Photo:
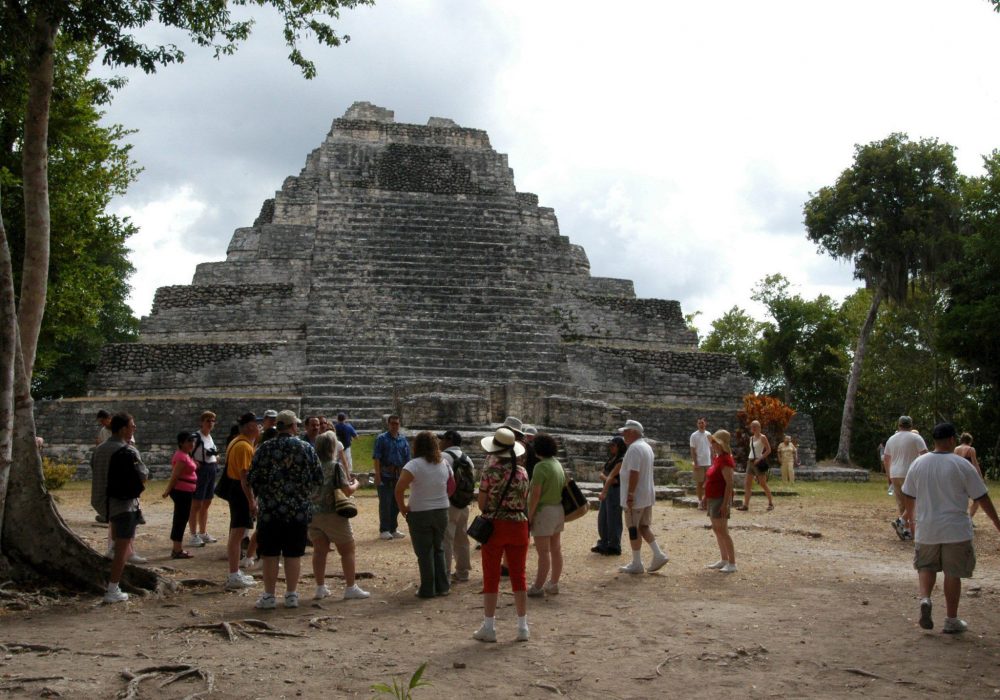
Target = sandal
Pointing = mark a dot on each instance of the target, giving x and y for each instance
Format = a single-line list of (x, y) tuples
[(742, 507), (181, 555), (770, 506)]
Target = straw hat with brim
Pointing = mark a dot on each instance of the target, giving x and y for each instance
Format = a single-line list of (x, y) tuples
[(503, 439), (721, 438), (514, 425)]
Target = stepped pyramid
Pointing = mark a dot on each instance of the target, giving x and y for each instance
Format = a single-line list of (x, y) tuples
[(402, 271)]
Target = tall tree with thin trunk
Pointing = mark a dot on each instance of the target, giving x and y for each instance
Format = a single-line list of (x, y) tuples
[(33, 538), (895, 215)]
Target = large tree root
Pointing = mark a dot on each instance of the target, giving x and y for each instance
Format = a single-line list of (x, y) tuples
[(177, 671), (232, 629), (22, 647), (812, 534)]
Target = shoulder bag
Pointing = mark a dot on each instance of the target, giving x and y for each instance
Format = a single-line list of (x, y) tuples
[(574, 503), (482, 527), (343, 505)]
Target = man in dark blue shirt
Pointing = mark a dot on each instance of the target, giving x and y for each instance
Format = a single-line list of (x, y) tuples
[(391, 452), (345, 433)]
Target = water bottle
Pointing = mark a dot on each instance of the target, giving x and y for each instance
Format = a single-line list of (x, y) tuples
[(891, 492)]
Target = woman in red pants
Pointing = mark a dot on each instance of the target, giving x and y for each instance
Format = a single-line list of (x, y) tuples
[(503, 498)]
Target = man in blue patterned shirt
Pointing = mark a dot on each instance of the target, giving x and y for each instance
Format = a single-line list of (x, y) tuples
[(284, 474), (391, 452)]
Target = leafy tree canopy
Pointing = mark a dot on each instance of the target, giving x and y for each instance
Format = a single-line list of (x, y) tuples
[(88, 267)]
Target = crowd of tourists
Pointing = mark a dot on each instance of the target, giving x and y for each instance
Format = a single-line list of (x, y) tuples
[(289, 485)]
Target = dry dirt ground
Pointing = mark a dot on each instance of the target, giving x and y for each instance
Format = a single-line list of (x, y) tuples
[(803, 617)]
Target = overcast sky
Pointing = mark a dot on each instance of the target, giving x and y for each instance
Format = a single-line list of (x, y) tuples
[(677, 141)]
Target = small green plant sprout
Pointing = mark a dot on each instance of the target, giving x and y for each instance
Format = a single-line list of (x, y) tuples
[(398, 690)]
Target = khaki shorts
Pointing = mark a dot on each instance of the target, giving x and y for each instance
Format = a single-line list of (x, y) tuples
[(637, 517), (699, 474), (715, 508), (955, 559), (548, 520), (333, 527)]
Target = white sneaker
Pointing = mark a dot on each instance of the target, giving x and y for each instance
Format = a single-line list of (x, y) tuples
[(207, 538), (292, 600), (321, 592), (485, 635), (659, 561), (266, 602), (247, 577), (397, 535), (237, 582), (136, 559), (523, 634), (632, 568), (248, 563), (195, 541), (551, 588), (729, 568), (385, 535), (355, 592), (115, 595), (717, 565)]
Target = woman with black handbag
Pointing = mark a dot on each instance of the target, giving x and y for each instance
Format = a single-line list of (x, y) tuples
[(503, 500)]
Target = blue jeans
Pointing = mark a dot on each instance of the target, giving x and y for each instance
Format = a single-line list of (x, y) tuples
[(609, 521), (388, 511)]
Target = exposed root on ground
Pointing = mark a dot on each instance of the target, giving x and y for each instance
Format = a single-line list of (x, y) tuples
[(813, 534), (177, 672), (233, 629)]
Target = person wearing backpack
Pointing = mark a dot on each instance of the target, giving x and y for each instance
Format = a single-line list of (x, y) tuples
[(118, 495), (456, 541)]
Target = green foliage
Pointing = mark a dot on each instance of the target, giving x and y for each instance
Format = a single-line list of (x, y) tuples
[(88, 267), (56, 474), (969, 325), (400, 691), (894, 213), (113, 26), (737, 333)]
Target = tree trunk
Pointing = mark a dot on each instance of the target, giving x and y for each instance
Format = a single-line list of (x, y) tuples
[(847, 420), (35, 539), (35, 167), (8, 348)]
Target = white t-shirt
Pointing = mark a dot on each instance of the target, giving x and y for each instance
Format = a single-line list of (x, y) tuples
[(200, 452), (903, 447), (942, 484), (429, 488), (638, 458), (702, 448)]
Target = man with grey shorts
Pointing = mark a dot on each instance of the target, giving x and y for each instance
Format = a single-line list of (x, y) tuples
[(937, 488)]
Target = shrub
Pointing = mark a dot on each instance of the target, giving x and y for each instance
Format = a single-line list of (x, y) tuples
[(56, 473)]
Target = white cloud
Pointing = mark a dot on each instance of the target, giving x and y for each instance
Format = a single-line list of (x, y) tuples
[(158, 250)]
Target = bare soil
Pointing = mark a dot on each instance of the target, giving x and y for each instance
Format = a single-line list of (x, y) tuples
[(804, 617)]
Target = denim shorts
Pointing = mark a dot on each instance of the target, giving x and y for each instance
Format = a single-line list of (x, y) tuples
[(207, 473)]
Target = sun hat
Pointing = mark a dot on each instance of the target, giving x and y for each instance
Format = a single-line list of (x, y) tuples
[(503, 439), (530, 430), (270, 413), (721, 438), (287, 419), (515, 426), (631, 425)]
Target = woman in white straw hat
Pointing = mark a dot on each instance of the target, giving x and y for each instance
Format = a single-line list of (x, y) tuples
[(719, 498), (503, 498)]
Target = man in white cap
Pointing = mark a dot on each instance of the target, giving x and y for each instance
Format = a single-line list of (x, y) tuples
[(268, 427), (637, 497)]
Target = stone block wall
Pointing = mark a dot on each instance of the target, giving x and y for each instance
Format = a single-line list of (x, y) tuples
[(664, 376), (609, 318), (587, 415), (136, 368), (157, 420)]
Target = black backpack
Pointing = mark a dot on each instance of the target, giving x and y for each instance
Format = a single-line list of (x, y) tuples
[(465, 480), (124, 481)]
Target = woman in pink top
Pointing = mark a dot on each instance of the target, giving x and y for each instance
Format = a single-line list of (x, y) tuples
[(180, 488)]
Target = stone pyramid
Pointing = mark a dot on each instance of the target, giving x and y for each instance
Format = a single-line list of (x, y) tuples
[(402, 271)]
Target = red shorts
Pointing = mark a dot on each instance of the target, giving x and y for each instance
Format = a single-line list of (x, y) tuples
[(509, 537)]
